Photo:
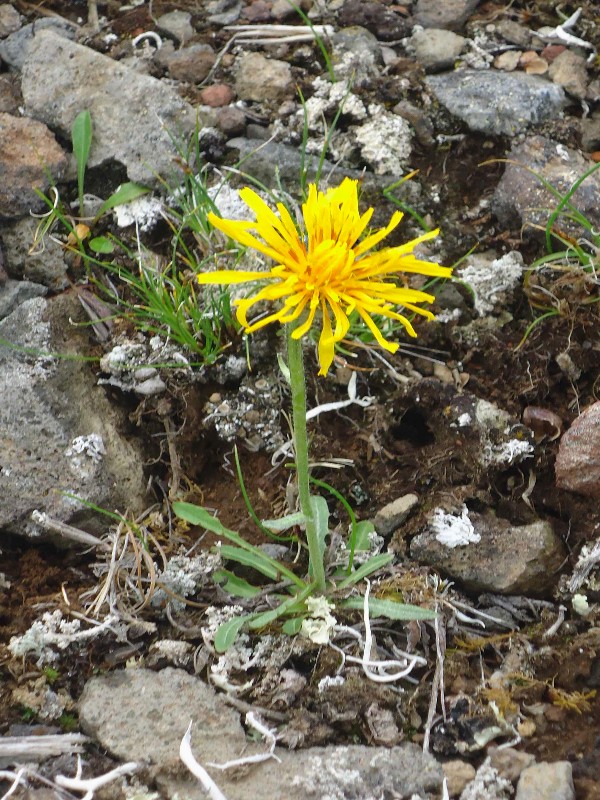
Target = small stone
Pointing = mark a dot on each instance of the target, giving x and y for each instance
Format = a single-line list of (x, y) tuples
[(497, 103), (192, 64), (533, 64), (552, 51), (382, 22), (458, 774), (509, 762), (450, 15), (258, 11), (263, 79), (217, 95), (392, 515), (10, 20), (231, 120), (15, 48), (569, 71), (578, 459), (489, 565), (547, 781), (437, 49), (590, 134), (513, 32), (522, 200), (508, 61), (178, 24)]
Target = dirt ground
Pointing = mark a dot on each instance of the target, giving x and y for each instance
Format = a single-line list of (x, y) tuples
[(397, 446)]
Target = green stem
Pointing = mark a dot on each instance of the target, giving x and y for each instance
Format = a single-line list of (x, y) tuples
[(298, 390)]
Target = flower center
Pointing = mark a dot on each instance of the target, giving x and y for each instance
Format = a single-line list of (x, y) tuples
[(327, 265)]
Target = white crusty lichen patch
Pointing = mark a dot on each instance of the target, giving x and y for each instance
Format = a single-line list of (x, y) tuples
[(385, 141), (55, 633), (85, 454), (453, 530), (491, 279), (182, 577)]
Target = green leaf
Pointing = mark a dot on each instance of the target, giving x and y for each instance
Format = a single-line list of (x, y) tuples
[(370, 566), (250, 559), (102, 245), (285, 523), (320, 511), (228, 632), (285, 370), (231, 583), (389, 608), (292, 626), (292, 605), (81, 136), (124, 194), (362, 531), (198, 515)]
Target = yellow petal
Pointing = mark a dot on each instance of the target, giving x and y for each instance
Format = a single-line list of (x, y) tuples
[(326, 349), (230, 276)]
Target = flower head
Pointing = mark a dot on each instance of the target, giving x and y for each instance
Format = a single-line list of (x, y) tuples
[(325, 268)]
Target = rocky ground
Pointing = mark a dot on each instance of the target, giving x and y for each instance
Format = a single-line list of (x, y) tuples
[(475, 450)]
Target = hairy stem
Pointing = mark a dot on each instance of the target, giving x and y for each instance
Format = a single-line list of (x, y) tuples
[(298, 390)]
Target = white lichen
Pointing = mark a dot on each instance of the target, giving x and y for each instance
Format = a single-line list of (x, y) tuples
[(54, 633), (452, 530), (144, 212), (506, 453), (385, 141), (487, 784), (330, 680), (320, 623), (184, 576), (90, 446), (491, 280)]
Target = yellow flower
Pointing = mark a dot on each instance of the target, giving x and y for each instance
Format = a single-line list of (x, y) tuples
[(325, 268)]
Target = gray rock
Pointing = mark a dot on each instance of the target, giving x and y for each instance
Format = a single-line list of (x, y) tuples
[(569, 71), (392, 515), (436, 49), (497, 103), (191, 64), (513, 32), (177, 24), (450, 15), (15, 48), (356, 55), (28, 156), (10, 19), (547, 781), (224, 12), (490, 564), (263, 79), (143, 715), (58, 430), (13, 293), (40, 263), (521, 200), (134, 116), (578, 458), (262, 163)]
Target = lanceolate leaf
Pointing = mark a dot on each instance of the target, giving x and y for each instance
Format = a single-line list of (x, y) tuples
[(124, 194), (250, 559), (228, 632), (231, 583), (389, 608), (370, 566)]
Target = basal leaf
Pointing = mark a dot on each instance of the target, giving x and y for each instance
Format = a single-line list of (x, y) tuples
[(234, 585), (228, 632), (389, 608)]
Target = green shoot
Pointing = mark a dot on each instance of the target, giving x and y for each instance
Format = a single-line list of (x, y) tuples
[(81, 136)]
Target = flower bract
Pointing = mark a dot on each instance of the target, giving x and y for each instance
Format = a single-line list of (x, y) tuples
[(323, 270)]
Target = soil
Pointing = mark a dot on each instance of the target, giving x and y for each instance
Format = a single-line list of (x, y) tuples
[(397, 446)]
